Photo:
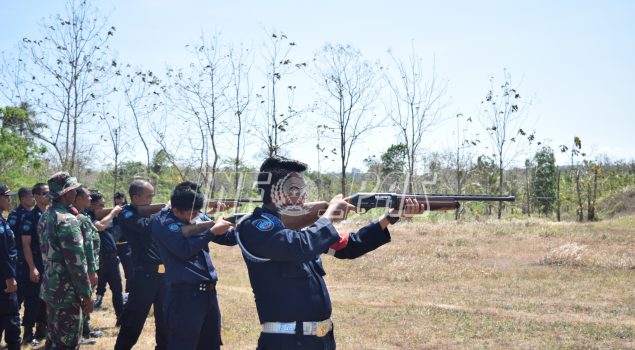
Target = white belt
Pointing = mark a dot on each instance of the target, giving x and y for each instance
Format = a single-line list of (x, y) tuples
[(319, 328)]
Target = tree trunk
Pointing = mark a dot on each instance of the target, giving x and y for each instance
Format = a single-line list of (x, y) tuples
[(558, 196), (528, 194), (500, 186), (579, 193)]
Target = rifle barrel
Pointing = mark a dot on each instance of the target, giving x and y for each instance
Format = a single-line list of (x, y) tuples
[(231, 200), (469, 197)]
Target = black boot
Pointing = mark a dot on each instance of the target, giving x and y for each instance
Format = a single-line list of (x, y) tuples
[(40, 331), (28, 338), (98, 300), (14, 346)]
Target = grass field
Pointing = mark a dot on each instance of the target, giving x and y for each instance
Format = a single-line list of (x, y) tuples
[(522, 284)]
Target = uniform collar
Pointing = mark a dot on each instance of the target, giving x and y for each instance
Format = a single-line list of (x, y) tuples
[(169, 214), (38, 209), (130, 207), (265, 210), (60, 206)]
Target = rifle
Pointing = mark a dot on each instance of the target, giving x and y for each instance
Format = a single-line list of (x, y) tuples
[(234, 218), (230, 203), (432, 202)]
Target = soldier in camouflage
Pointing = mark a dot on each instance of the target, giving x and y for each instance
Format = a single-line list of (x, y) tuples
[(65, 286), (91, 249)]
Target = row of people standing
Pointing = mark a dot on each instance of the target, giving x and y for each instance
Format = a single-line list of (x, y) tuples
[(282, 254), (48, 265), (174, 272), (36, 277)]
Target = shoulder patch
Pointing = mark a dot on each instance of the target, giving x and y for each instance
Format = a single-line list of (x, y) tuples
[(263, 224), (1, 229), (174, 227), (127, 214)]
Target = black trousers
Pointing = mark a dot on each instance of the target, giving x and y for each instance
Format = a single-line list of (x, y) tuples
[(193, 318), (148, 289), (34, 307), (125, 256), (269, 341), (109, 274), (10, 318)]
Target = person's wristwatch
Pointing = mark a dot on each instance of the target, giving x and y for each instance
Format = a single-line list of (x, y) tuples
[(392, 219)]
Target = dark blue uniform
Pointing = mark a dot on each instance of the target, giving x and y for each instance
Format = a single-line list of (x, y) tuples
[(191, 308), (9, 310), (148, 287), (286, 274), (34, 307), (109, 266), (15, 219), (124, 253)]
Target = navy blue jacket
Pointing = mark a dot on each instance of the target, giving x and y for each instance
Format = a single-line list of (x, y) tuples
[(15, 221), (107, 243), (137, 230), (186, 259), (28, 227), (8, 254), (285, 269)]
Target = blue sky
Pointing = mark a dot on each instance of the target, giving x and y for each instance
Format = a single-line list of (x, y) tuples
[(572, 59)]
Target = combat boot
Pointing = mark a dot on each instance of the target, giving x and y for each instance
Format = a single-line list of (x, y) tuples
[(98, 300), (14, 346), (28, 338), (40, 331), (85, 341)]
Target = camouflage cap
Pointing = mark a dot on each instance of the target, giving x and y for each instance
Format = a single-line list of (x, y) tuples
[(60, 183), (5, 191)]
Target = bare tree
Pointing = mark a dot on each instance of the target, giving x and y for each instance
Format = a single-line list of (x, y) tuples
[(416, 105), (119, 142), (69, 66), (141, 91), (577, 169), (277, 55), (13, 73), (240, 98), (503, 119), (348, 88), (160, 134), (199, 93), (462, 157)]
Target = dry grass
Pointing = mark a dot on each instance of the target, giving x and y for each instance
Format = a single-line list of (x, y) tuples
[(522, 284)]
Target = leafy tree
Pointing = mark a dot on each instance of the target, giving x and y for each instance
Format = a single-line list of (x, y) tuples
[(17, 150), (545, 180), (394, 159)]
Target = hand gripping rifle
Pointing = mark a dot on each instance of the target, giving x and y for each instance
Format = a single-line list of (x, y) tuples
[(369, 200)]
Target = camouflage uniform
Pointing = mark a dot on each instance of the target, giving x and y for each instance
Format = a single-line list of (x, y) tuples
[(65, 280), (91, 248), (91, 241)]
